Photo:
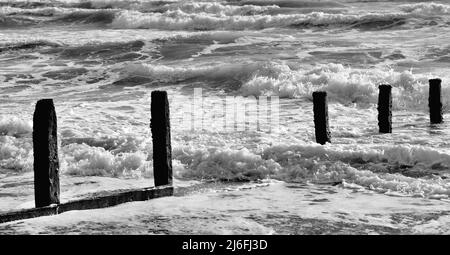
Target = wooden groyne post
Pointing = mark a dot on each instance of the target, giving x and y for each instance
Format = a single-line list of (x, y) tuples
[(46, 165), (385, 108), (434, 101), (320, 108), (162, 149), (45, 152)]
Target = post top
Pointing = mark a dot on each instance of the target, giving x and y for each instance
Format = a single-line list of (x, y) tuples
[(46, 103), (435, 80), (320, 93), (48, 100), (159, 92), (384, 86)]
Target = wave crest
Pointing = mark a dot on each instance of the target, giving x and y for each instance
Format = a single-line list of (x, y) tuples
[(344, 85), (429, 9), (218, 8), (179, 20)]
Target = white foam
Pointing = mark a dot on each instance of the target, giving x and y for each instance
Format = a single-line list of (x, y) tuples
[(168, 73), (16, 154), (218, 8), (321, 164), (326, 164), (429, 9), (344, 84), (14, 126), (84, 160), (44, 11), (363, 166), (392, 154), (179, 20), (222, 164)]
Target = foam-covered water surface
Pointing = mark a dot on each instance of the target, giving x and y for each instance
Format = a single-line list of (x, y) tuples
[(253, 209), (101, 59)]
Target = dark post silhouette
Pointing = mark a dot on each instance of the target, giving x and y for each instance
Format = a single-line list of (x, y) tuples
[(385, 109), (162, 149), (45, 152), (321, 117), (434, 101)]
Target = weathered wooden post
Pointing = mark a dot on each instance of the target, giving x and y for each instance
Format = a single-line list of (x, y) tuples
[(45, 151), (434, 101), (162, 149), (385, 109), (321, 117)]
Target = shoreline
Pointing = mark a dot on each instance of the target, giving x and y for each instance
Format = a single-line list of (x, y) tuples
[(278, 208)]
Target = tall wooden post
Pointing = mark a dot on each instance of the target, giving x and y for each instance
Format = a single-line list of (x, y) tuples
[(162, 149), (385, 109), (45, 151), (320, 108), (434, 101)]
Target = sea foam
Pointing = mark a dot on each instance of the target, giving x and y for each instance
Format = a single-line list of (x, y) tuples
[(218, 8), (429, 9), (374, 166), (344, 84), (179, 20), (318, 164), (14, 126)]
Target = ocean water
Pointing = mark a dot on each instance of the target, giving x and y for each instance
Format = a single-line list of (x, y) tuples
[(99, 60)]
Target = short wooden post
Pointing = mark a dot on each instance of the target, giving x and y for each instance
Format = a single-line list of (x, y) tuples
[(45, 152), (162, 149), (321, 117), (385, 109), (434, 101)]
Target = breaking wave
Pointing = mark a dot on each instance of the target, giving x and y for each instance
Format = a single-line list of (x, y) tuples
[(179, 20), (375, 167), (44, 11), (210, 15), (164, 73), (116, 157), (319, 164), (218, 8), (429, 9), (345, 85), (14, 126), (292, 4)]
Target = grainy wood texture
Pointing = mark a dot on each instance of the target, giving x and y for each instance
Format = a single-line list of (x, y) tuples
[(320, 108), (435, 102), (385, 109), (45, 151), (112, 199), (29, 213), (162, 150)]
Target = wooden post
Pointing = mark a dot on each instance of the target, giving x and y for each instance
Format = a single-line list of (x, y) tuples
[(434, 101), (162, 149), (385, 109), (45, 151), (321, 117)]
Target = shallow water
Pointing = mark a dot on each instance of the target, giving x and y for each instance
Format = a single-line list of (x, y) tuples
[(100, 60), (261, 208)]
